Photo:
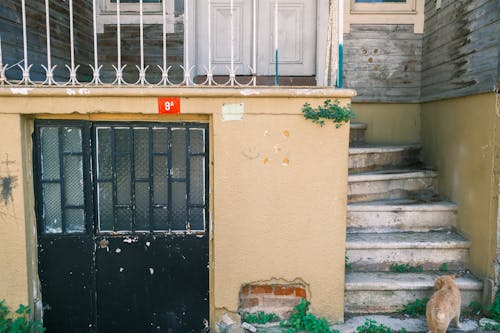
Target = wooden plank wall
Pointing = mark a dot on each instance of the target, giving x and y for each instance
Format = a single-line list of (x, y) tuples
[(461, 48), (12, 36), (12, 42), (383, 63)]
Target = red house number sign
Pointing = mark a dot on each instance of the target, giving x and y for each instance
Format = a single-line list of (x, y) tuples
[(169, 105)]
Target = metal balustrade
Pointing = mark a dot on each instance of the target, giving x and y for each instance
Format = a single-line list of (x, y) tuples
[(202, 76)]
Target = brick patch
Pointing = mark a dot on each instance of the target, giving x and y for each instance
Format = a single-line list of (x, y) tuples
[(271, 298)]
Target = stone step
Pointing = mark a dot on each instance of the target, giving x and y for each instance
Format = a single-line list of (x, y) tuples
[(400, 215), (378, 157), (383, 292), (391, 184), (357, 133), (378, 251)]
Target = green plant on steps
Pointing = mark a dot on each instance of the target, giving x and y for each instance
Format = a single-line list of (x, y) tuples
[(415, 308), (493, 310), (19, 322), (260, 317), (371, 326), (348, 265), (301, 320), (443, 267), (328, 111), (406, 268)]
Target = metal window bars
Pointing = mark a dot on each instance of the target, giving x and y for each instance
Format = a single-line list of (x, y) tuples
[(188, 76)]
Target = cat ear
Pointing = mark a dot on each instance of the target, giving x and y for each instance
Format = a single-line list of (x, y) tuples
[(452, 276)]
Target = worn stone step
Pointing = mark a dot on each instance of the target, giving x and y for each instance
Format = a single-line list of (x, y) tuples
[(378, 251), (379, 157), (391, 184), (383, 292), (357, 133), (400, 215)]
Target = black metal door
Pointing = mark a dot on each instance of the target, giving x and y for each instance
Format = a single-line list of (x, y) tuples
[(138, 260)]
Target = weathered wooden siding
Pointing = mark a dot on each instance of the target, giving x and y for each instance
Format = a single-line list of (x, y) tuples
[(383, 62), (461, 48), (12, 36), (153, 52)]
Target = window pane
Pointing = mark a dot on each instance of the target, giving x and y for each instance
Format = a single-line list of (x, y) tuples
[(122, 140), (160, 140), (179, 213), (197, 180), (49, 137), (160, 219), (104, 158), (74, 220), (380, 1), (142, 206), (137, 1), (141, 153), (123, 219), (73, 180), (197, 140), (197, 219), (72, 140), (160, 180), (52, 215), (105, 206), (178, 153), (123, 196)]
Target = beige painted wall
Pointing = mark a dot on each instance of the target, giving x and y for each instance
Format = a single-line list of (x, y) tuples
[(278, 185), (389, 123), (13, 257), (459, 140)]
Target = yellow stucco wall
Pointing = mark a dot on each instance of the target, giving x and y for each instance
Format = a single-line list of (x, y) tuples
[(278, 184), (389, 123), (13, 257), (459, 140)]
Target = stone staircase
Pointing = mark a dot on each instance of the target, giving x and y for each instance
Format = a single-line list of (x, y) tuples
[(395, 216)]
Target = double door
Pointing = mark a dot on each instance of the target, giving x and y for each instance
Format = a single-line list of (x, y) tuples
[(122, 233)]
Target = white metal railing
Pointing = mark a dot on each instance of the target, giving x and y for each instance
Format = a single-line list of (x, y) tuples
[(144, 75)]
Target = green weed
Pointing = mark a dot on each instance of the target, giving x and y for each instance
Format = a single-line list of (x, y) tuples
[(20, 322), (406, 268), (416, 308), (301, 320)]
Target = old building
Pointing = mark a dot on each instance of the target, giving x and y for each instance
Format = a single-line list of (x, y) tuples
[(157, 169)]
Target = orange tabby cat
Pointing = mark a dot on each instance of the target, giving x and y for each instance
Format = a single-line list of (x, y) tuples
[(444, 305)]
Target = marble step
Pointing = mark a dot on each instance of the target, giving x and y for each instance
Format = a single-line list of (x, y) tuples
[(365, 158), (378, 251), (385, 292), (400, 215), (391, 184)]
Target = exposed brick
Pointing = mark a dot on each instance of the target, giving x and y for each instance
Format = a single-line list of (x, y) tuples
[(245, 290), (248, 302), (262, 289), (300, 292), (280, 291), (280, 302)]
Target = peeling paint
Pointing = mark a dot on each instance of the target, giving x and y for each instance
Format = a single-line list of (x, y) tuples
[(118, 250), (70, 92), (285, 161), (250, 153), (20, 91), (249, 92)]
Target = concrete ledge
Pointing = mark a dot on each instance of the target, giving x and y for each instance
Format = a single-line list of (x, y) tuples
[(407, 240), (407, 281), (391, 175), (383, 149), (401, 206), (153, 91)]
